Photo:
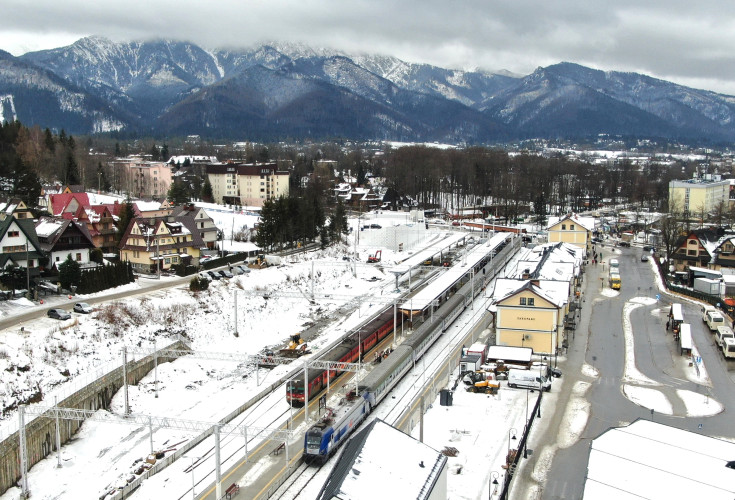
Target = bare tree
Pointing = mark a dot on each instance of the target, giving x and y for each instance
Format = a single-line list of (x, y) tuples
[(671, 229)]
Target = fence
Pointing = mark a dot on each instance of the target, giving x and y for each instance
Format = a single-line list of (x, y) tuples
[(512, 463)]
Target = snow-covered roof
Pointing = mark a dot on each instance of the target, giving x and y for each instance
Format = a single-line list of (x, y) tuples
[(587, 223), (47, 227), (509, 353), (651, 460), (556, 292), (423, 298), (368, 472)]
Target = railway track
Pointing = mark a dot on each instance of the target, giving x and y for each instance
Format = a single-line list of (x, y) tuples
[(293, 488)]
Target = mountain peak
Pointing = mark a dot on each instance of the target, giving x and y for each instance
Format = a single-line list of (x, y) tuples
[(284, 89)]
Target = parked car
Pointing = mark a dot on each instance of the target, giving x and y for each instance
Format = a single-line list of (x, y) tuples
[(648, 248), (58, 314), (625, 244), (226, 274), (214, 275), (236, 270), (205, 258), (644, 258), (205, 276), (245, 269), (376, 226), (82, 307)]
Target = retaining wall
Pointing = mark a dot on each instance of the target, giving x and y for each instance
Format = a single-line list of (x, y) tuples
[(41, 431)]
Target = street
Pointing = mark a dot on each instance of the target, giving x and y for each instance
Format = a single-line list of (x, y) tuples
[(598, 382)]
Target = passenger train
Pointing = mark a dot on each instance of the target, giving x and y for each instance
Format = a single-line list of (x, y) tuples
[(323, 438), (354, 345)]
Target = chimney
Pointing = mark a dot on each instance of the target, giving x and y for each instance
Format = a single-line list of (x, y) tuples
[(535, 282)]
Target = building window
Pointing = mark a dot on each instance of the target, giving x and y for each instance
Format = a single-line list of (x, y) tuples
[(563, 227), (530, 301), (13, 234), (79, 257), (571, 227), (523, 301), (57, 258), (692, 253)]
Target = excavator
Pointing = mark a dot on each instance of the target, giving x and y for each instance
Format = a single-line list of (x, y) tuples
[(481, 381), (374, 258)]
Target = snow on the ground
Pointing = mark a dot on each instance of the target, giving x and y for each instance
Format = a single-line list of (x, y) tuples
[(609, 292), (699, 405), (56, 357), (590, 371), (648, 398), (50, 354), (631, 374), (575, 416)]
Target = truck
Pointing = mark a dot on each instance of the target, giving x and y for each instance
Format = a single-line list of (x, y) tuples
[(528, 379), (708, 286), (477, 348)]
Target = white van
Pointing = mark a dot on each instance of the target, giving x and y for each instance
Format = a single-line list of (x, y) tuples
[(614, 264), (722, 333), (528, 379), (728, 348), (714, 319)]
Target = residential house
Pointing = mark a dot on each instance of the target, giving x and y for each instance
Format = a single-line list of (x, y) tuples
[(724, 252), (197, 220), (100, 224), (67, 204), (19, 245), (697, 248), (159, 241), (60, 238), (363, 199), (15, 208), (571, 229)]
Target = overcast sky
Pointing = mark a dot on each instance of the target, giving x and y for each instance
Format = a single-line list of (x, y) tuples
[(687, 42)]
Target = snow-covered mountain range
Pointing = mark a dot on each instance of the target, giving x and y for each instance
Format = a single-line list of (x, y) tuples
[(278, 91)]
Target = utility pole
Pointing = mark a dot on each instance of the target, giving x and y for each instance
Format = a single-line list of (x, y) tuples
[(28, 273), (158, 260)]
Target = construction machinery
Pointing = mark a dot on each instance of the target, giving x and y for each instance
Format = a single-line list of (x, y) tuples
[(296, 347), (481, 381), (372, 259)]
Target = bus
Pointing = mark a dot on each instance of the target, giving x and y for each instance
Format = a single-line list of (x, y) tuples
[(615, 282)]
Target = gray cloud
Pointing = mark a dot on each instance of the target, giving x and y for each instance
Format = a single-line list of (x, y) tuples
[(685, 42)]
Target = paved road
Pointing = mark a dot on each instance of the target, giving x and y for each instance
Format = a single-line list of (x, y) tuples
[(600, 342)]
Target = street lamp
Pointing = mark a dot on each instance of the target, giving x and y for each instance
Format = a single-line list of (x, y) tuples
[(494, 483), (511, 435)]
